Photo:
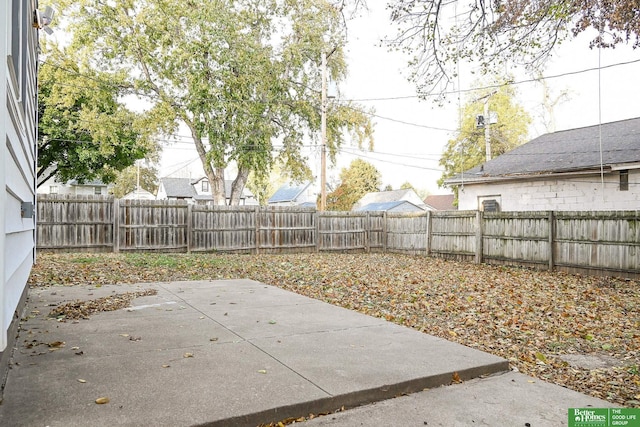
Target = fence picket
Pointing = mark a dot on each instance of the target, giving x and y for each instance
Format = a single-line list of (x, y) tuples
[(591, 242)]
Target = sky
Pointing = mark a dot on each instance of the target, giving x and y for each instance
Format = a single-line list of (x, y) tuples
[(410, 134)]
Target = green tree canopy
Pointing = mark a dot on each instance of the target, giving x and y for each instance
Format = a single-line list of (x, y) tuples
[(441, 33), (127, 180), (85, 132), (242, 76), (467, 150), (358, 179)]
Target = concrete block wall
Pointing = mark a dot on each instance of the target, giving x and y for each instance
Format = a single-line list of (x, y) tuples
[(578, 193)]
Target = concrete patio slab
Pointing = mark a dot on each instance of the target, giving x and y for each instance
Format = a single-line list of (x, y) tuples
[(232, 353)]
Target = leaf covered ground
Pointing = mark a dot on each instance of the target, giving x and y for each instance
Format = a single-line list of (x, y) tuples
[(535, 319)]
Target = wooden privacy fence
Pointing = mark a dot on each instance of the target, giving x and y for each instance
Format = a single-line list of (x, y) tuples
[(588, 242)]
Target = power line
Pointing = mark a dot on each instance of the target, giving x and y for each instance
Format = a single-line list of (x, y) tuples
[(495, 86)]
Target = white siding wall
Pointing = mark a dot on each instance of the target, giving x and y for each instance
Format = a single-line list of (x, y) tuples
[(17, 156), (584, 193)]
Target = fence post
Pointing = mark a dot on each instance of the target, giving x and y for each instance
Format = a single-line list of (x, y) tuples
[(428, 236), (116, 226), (552, 231), (478, 258), (256, 220), (189, 227), (367, 233), (384, 232), (317, 217)]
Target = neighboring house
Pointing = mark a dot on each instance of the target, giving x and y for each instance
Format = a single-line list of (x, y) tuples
[(407, 195), (139, 194), (197, 191), (560, 171), (176, 189), (73, 187), (440, 202), (397, 206), (18, 123), (294, 195)]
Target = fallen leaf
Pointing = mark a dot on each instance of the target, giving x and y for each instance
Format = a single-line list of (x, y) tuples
[(102, 400), (213, 339), (187, 355), (272, 322), (262, 371), (541, 357), (512, 313), (124, 335), (166, 366), (456, 378), (80, 380)]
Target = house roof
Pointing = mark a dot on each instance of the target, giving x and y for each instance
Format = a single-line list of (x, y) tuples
[(388, 206), (92, 183), (565, 151), (178, 187), (228, 183), (387, 196), (440, 202), (140, 193), (183, 188), (288, 193)]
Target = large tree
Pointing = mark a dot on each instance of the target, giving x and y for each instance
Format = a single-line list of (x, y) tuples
[(85, 132), (242, 76), (441, 33), (128, 179), (360, 178), (468, 148)]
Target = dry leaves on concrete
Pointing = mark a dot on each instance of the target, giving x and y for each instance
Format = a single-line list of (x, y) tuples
[(532, 318), (83, 309)]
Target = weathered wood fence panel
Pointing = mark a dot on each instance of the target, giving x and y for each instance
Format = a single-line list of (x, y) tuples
[(598, 241), (407, 233), (286, 230), (75, 223), (342, 231), (586, 242), (453, 234), (223, 228), (148, 225), (516, 236)]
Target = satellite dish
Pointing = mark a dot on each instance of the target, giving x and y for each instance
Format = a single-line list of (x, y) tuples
[(42, 20)]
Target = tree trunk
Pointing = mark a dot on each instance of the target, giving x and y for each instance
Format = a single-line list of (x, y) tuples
[(217, 188), (238, 185), (216, 178)]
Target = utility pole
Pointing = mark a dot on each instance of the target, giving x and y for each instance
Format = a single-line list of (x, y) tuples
[(487, 131), (484, 121), (323, 131)]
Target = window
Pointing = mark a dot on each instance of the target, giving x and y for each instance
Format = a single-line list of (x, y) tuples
[(53, 189), (205, 186), (624, 180), (97, 191)]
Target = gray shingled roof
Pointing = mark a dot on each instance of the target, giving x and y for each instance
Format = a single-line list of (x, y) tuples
[(178, 187), (565, 151), (288, 193), (398, 205)]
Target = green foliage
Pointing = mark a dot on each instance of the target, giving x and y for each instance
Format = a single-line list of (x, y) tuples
[(242, 76), (127, 180), (85, 133), (467, 150), (358, 179)]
